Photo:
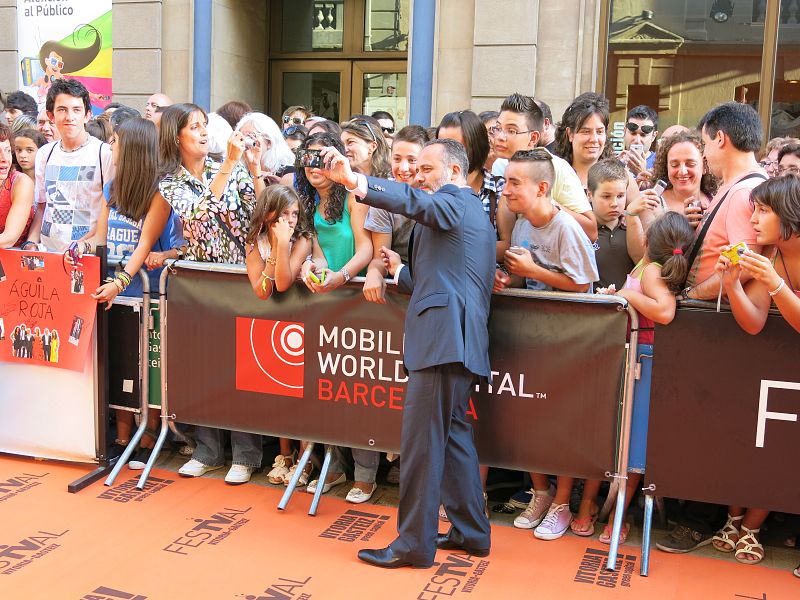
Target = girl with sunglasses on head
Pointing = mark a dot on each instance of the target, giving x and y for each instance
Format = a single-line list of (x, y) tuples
[(774, 278), (295, 115)]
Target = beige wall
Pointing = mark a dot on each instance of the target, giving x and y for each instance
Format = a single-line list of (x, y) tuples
[(488, 49), (239, 52), (136, 60), (8, 46), (176, 53)]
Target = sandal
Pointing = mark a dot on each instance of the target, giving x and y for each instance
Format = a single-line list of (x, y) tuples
[(724, 540), (796, 572), (749, 544), (605, 537), (443, 513), (583, 526)]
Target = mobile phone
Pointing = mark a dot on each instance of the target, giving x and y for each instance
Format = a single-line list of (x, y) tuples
[(660, 186), (517, 250), (312, 276), (637, 148)]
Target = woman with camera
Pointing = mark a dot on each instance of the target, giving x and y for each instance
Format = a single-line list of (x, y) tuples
[(215, 202), (774, 277)]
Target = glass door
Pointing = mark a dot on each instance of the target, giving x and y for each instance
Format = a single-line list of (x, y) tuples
[(323, 86), (381, 85)]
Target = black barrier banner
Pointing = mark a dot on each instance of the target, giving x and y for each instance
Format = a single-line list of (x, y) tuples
[(123, 359), (723, 412), (329, 367)]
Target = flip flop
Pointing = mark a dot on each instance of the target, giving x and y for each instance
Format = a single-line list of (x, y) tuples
[(584, 526), (605, 537)]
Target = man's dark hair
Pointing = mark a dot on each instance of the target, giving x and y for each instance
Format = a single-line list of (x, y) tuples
[(740, 122), (233, 111), (540, 164), (473, 131), (789, 149), (22, 101), (71, 87), (545, 108), (454, 154), (488, 116), (643, 112), (413, 134), (122, 114), (525, 105), (382, 114), (113, 105)]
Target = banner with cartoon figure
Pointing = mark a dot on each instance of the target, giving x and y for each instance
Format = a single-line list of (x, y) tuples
[(69, 39), (46, 309)]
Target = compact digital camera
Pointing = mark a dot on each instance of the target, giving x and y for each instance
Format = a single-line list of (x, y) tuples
[(735, 252)]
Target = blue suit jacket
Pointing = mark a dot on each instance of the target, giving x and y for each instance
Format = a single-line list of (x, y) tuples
[(452, 264)]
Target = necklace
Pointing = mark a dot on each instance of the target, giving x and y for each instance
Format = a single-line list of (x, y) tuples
[(85, 142)]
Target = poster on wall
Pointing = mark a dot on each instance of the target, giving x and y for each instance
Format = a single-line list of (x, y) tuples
[(46, 309), (65, 39)]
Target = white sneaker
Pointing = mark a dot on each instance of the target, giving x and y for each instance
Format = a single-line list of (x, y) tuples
[(194, 468), (238, 474), (537, 509), (357, 495), (279, 470)]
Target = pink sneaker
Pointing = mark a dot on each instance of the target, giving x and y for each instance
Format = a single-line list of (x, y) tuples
[(555, 524)]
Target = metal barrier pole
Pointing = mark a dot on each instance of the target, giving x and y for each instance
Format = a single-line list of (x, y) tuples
[(165, 416), (323, 474), (625, 437), (144, 377), (298, 472), (644, 569)]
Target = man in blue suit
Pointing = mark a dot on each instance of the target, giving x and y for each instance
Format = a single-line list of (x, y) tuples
[(450, 277)]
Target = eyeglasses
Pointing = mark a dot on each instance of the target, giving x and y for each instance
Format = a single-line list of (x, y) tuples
[(55, 63), (368, 126), (292, 129), (768, 164), (497, 131), (389, 130), (634, 127), (295, 120), (789, 170)]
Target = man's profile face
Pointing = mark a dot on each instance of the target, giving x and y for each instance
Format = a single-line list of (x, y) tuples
[(431, 171), (153, 102), (639, 136), (513, 134)]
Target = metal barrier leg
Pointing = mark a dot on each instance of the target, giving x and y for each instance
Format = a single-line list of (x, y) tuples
[(126, 454), (298, 472), (162, 435), (619, 513), (323, 474), (644, 570)]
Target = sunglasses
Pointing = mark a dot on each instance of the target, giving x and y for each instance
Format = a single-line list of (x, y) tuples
[(634, 127), (369, 128), (295, 120), (389, 130)]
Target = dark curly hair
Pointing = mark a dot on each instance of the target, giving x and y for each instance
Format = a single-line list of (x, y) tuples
[(708, 183), (583, 107), (338, 194)]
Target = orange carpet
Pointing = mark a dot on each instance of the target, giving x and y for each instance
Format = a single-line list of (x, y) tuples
[(186, 539)]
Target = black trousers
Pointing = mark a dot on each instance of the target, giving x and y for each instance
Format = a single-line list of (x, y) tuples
[(440, 465)]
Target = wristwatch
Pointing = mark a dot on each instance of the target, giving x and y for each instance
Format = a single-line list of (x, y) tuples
[(345, 274), (684, 293), (181, 252)]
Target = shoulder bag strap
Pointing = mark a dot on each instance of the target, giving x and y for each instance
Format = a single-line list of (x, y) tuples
[(230, 235), (698, 242)]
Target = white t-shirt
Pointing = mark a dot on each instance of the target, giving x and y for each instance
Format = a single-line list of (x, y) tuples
[(69, 188), (567, 188)]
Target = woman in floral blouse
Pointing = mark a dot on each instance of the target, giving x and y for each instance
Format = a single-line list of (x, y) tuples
[(215, 202)]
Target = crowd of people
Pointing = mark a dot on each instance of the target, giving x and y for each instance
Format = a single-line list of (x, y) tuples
[(652, 224)]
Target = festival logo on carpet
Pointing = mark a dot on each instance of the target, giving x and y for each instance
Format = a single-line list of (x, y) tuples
[(270, 356), (19, 484), (106, 593), (211, 531), (592, 571), (127, 491), (354, 525), (283, 589), (18, 555), (458, 574)]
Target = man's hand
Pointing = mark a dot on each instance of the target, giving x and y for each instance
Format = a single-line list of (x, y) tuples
[(391, 260), (501, 280), (337, 167), (635, 161)]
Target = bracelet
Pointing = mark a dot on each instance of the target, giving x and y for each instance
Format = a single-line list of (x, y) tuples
[(345, 273), (777, 289), (119, 285), (630, 214), (264, 274), (271, 260)]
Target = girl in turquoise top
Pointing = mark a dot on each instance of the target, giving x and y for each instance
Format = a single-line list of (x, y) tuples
[(338, 223)]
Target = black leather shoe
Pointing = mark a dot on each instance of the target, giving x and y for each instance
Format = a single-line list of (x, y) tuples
[(443, 543), (384, 557)]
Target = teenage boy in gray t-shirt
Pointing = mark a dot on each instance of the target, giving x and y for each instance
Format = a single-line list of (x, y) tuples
[(549, 250)]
